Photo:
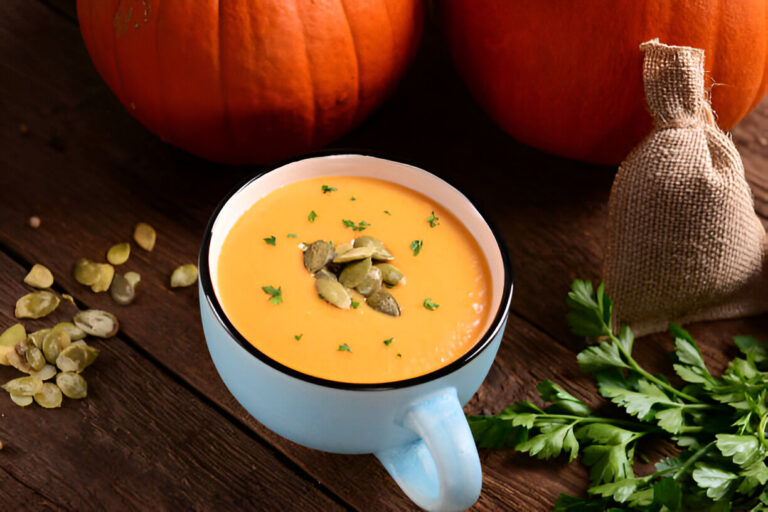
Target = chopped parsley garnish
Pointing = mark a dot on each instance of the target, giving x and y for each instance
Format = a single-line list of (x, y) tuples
[(430, 305), (344, 348), (297, 337), (433, 220), (359, 227), (387, 212), (399, 354), (276, 294), (388, 341), (312, 216), (292, 235), (355, 304), (327, 189), (271, 240), (416, 246), (353, 198)]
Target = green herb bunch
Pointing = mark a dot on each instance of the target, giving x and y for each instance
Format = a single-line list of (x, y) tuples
[(718, 423)]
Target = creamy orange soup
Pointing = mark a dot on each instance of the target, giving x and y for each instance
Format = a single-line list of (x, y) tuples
[(306, 333)]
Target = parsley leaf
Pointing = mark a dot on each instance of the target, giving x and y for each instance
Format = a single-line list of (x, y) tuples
[(276, 294), (292, 235), (327, 189), (388, 341), (312, 216), (430, 305), (387, 212), (271, 240), (297, 337), (344, 348), (416, 246), (433, 220), (359, 227), (355, 304)]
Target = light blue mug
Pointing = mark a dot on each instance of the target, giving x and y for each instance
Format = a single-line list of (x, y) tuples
[(416, 427)]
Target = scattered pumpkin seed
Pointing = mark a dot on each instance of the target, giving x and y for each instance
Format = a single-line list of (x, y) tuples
[(35, 358), (324, 273), (4, 351), (121, 290), (75, 333), (86, 272), (370, 283), (24, 386), (333, 293), (185, 275), (73, 385), (36, 305), (37, 337), (12, 335), (106, 274), (21, 400), (133, 278), (380, 253), (49, 396), (342, 248), (145, 236), (390, 274), (39, 277), (354, 273), (76, 358), (54, 343), (357, 253), (18, 361), (383, 302), (97, 323), (80, 343), (48, 371), (317, 255), (119, 253)]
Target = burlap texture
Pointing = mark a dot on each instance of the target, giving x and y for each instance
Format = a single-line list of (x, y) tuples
[(685, 243)]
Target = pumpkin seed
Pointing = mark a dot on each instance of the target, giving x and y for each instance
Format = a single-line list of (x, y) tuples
[(73, 385), (333, 293), (324, 273), (46, 372), (342, 248), (358, 253), (133, 278), (121, 290), (390, 274), (24, 386), (380, 252), (35, 358), (185, 275), (119, 253), (145, 236), (12, 335), (18, 361), (86, 272), (75, 333), (69, 298), (4, 351), (80, 343), (370, 283), (383, 302), (37, 337), (76, 358), (106, 274), (36, 305), (354, 273), (54, 343), (317, 255), (21, 400), (97, 323), (39, 277), (49, 396)]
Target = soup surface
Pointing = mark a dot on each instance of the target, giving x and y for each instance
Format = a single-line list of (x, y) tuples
[(358, 345)]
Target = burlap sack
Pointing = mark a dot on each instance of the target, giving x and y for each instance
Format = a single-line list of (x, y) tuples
[(685, 243)]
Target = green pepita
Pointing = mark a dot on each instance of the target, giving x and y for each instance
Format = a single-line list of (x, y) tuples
[(324, 273), (106, 274), (36, 305), (370, 283), (48, 371), (97, 323), (380, 253), (49, 396), (37, 337), (357, 253), (333, 293), (35, 357), (54, 343), (390, 274), (344, 247), (133, 278), (21, 400), (74, 332), (76, 358), (121, 290), (383, 302), (86, 272), (185, 275), (119, 253), (12, 335), (317, 255), (4, 351), (73, 385), (145, 236), (24, 386), (18, 361), (39, 277), (354, 273)]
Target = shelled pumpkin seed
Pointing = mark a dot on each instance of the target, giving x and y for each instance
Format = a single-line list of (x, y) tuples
[(370, 283), (357, 253), (18, 361), (185, 275), (324, 273), (380, 252), (145, 236), (390, 274), (75, 333), (86, 272), (12, 335), (36, 305), (24, 386), (97, 323), (76, 358), (39, 277), (133, 278), (383, 302), (48, 371), (53, 343), (121, 290), (21, 400), (354, 273), (103, 282), (37, 337), (334, 293), (119, 253), (73, 385), (49, 396), (317, 255)]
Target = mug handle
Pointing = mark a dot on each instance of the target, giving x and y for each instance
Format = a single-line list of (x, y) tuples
[(441, 470)]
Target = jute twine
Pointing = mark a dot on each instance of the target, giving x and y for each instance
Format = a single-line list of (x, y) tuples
[(685, 243)]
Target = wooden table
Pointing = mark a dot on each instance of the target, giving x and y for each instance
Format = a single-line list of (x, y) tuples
[(159, 429)]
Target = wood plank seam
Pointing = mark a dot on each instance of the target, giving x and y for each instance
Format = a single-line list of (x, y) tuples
[(32, 489)]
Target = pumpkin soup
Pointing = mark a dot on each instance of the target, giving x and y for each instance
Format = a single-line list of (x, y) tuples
[(354, 279)]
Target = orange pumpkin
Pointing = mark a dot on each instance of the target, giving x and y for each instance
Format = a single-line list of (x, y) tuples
[(565, 75), (247, 81)]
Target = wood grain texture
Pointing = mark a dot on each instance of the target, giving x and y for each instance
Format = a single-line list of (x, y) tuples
[(90, 172)]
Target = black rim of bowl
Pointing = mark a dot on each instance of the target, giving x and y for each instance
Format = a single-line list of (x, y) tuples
[(218, 311)]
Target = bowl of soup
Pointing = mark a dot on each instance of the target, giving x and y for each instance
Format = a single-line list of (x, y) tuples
[(354, 304)]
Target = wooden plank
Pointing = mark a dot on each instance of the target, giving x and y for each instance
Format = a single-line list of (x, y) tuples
[(138, 441), (14, 495)]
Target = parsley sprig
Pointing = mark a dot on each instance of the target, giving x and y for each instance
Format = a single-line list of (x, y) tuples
[(275, 294), (718, 423), (359, 227)]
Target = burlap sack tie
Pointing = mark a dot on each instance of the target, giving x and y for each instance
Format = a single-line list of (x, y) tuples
[(685, 243)]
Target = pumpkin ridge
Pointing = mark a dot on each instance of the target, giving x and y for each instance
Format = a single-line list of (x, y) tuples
[(311, 75), (222, 86), (355, 119)]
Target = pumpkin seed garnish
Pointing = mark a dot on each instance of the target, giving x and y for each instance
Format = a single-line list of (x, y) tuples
[(358, 253), (13, 335), (354, 273), (324, 273), (383, 302), (37, 337), (97, 323), (39, 276), (106, 274), (145, 236), (48, 371), (21, 400), (119, 253), (121, 290), (73, 385), (76, 358), (133, 278), (380, 252), (185, 275), (49, 396), (74, 332), (333, 293), (416, 246), (24, 386), (371, 282), (317, 255), (390, 274), (36, 305), (86, 272)]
